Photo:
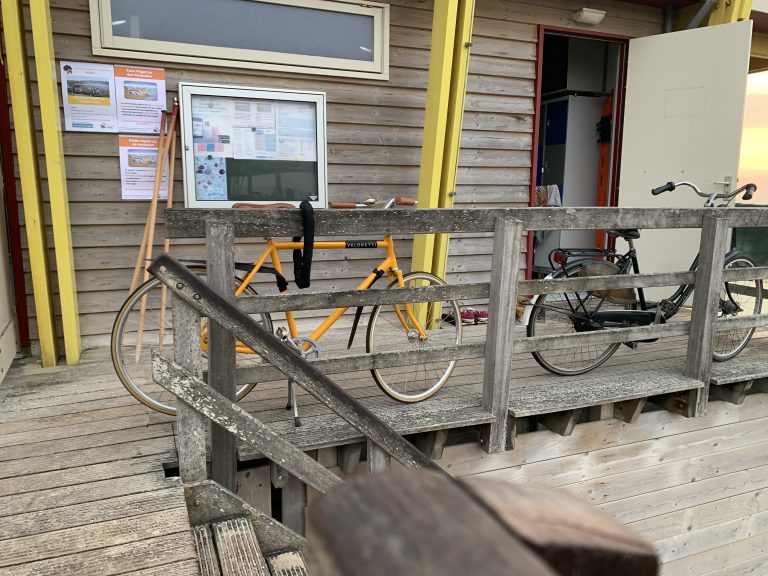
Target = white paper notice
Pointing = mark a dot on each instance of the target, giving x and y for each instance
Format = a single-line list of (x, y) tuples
[(296, 131), (140, 98), (88, 93), (138, 162)]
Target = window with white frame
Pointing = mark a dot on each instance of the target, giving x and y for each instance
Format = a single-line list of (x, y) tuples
[(315, 36)]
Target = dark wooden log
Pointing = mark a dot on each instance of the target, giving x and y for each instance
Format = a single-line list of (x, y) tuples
[(207, 302), (237, 421), (220, 242), (410, 523), (349, 457), (734, 393), (499, 342), (190, 223), (709, 273), (432, 443), (629, 410), (293, 504), (571, 536), (561, 423)]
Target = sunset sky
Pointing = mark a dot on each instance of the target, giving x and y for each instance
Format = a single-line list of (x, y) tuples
[(753, 165)]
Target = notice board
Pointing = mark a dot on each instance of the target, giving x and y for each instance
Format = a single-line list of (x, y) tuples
[(252, 145)]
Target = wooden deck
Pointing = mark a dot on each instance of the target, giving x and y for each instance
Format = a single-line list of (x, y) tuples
[(82, 484)]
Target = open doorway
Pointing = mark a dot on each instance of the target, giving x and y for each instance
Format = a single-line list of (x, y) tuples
[(579, 104)]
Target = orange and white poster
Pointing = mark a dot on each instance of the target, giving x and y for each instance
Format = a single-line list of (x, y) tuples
[(138, 163), (140, 95)]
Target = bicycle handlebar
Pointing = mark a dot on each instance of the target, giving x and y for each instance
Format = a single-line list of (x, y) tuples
[(747, 189), (399, 201)]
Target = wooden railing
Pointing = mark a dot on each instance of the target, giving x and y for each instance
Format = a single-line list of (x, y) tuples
[(230, 320)]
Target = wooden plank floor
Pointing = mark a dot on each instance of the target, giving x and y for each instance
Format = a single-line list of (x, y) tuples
[(82, 486)]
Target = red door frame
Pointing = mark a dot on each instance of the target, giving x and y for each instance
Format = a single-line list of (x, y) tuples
[(12, 213), (623, 42)]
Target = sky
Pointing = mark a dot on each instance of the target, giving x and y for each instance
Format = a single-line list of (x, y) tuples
[(753, 163)]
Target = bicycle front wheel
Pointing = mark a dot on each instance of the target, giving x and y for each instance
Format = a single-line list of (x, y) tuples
[(390, 330), (570, 313), (737, 298), (134, 341)]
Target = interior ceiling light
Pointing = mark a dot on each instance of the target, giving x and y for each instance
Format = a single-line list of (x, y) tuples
[(588, 16)]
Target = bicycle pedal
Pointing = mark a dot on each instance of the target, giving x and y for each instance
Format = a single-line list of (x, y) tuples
[(667, 307)]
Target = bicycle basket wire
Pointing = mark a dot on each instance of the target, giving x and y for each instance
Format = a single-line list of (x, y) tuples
[(615, 295)]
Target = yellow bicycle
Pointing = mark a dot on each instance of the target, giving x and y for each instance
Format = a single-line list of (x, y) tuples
[(400, 327)]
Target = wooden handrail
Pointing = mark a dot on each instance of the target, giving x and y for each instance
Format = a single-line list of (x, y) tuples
[(190, 223), (197, 294)]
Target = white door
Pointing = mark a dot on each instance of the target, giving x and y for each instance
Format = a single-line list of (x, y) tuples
[(8, 335), (683, 119)]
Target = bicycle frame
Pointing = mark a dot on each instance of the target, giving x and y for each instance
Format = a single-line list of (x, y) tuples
[(387, 266)]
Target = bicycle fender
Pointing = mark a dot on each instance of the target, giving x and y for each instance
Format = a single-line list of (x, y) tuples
[(529, 306)]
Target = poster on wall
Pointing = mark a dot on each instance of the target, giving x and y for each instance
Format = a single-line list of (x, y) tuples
[(140, 96), (252, 145), (88, 94), (138, 162)]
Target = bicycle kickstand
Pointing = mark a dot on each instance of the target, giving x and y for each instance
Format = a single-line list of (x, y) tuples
[(293, 403)]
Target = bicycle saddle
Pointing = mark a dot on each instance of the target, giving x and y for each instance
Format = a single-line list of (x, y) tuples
[(626, 233)]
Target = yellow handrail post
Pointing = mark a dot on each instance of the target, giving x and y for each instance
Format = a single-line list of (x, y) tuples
[(457, 96), (726, 12), (24, 129), (435, 122), (45, 64)]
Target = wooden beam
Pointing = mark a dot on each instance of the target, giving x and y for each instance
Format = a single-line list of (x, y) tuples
[(220, 242), (435, 122), (378, 460), (456, 98), (432, 443), (497, 372), (48, 92), (733, 393), (701, 340), (349, 457), (190, 223), (191, 426), (237, 421), (294, 504), (629, 410), (683, 402), (561, 423), (34, 219)]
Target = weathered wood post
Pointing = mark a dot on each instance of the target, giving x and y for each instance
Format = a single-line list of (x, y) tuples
[(709, 277), (191, 426), (220, 240), (499, 337)]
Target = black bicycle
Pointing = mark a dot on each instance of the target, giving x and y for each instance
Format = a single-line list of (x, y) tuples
[(593, 310)]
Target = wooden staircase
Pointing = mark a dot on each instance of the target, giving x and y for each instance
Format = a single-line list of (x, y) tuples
[(230, 548)]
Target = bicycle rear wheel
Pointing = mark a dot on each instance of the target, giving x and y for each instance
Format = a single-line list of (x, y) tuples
[(737, 298), (386, 333), (132, 347), (560, 314)]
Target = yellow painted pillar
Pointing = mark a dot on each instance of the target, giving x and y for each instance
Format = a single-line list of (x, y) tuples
[(727, 11), (435, 122), (24, 129), (45, 64), (458, 90)]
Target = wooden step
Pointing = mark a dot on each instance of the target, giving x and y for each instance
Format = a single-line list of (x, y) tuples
[(238, 550), (740, 369), (206, 552), (287, 564), (568, 394)]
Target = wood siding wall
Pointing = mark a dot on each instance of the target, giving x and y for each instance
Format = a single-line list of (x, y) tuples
[(696, 487), (374, 139)]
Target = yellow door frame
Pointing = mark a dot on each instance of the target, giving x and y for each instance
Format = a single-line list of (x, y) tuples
[(443, 116), (24, 131), (45, 63)]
